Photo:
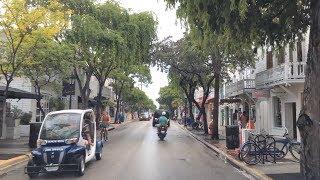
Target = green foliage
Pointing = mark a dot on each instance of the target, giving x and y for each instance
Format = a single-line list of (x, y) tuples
[(170, 97), (110, 42), (23, 25), (136, 100), (257, 21), (25, 118), (56, 104)]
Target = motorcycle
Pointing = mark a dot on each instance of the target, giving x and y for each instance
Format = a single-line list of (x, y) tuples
[(67, 141), (162, 132)]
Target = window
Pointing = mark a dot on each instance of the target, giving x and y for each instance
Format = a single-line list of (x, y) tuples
[(277, 112), (269, 60)]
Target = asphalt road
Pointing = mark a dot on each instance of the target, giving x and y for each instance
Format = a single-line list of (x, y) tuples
[(135, 153)]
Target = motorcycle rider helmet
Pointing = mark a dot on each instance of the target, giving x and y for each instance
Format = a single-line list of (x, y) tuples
[(163, 113)]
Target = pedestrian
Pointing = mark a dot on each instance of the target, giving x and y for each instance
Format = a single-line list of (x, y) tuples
[(105, 117), (244, 119)]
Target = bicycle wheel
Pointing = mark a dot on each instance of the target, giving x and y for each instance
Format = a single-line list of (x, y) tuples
[(250, 153), (295, 150), (274, 152), (260, 141)]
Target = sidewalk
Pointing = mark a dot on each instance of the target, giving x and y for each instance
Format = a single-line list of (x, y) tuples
[(13, 152), (287, 168)]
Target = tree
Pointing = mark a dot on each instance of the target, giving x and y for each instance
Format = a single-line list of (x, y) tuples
[(136, 100), (170, 97), (272, 22), (214, 58), (124, 78), (22, 26), (48, 66)]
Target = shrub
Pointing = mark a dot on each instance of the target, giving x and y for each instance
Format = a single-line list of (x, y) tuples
[(25, 118)]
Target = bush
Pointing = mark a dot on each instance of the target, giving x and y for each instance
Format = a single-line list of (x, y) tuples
[(25, 118)]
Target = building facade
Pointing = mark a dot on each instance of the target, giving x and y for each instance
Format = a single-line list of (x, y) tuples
[(271, 92)]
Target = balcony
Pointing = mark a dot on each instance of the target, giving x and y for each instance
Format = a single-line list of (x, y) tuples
[(289, 72), (239, 87)]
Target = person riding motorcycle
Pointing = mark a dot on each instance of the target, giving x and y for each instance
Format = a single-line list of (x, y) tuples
[(163, 121)]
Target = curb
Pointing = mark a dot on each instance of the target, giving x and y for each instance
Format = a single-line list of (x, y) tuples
[(252, 171), (14, 161), (110, 129)]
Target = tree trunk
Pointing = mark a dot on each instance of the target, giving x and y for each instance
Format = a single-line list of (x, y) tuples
[(117, 110), (39, 105), (205, 123), (215, 129), (4, 110), (99, 101), (190, 104), (308, 122), (119, 94), (84, 88)]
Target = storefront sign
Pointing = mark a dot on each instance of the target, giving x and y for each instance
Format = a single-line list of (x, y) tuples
[(260, 93)]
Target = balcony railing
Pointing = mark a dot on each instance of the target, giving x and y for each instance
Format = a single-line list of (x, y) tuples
[(239, 87), (289, 72)]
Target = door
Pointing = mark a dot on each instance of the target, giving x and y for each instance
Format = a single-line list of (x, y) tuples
[(290, 119), (294, 119)]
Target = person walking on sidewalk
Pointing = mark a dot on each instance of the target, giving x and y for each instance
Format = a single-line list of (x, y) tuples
[(105, 117)]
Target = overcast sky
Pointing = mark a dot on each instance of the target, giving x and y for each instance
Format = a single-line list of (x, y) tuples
[(168, 26)]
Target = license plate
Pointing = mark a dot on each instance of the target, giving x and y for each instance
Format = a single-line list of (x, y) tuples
[(52, 168)]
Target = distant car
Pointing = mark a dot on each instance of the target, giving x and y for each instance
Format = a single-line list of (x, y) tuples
[(156, 116), (144, 117)]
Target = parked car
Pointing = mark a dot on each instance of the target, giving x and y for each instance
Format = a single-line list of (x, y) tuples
[(156, 116), (66, 142), (144, 116)]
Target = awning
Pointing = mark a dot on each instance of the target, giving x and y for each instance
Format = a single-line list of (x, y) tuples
[(14, 93), (222, 101)]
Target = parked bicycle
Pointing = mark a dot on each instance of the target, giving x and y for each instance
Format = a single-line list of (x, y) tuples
[(257, 149), (282, 146)]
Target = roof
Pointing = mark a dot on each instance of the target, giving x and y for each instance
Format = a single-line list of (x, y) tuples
[(15, 93), (77, 111)]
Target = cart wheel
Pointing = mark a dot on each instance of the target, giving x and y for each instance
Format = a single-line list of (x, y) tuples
[(32, 171), (81, 166), (99, 155)]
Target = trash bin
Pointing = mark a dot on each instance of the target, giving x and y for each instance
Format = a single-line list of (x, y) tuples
[(34, 132), (232, 136)]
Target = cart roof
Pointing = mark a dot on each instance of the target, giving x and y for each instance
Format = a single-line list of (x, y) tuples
[(78, 111)]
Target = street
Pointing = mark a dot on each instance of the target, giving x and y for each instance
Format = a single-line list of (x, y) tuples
[(134, 152)]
